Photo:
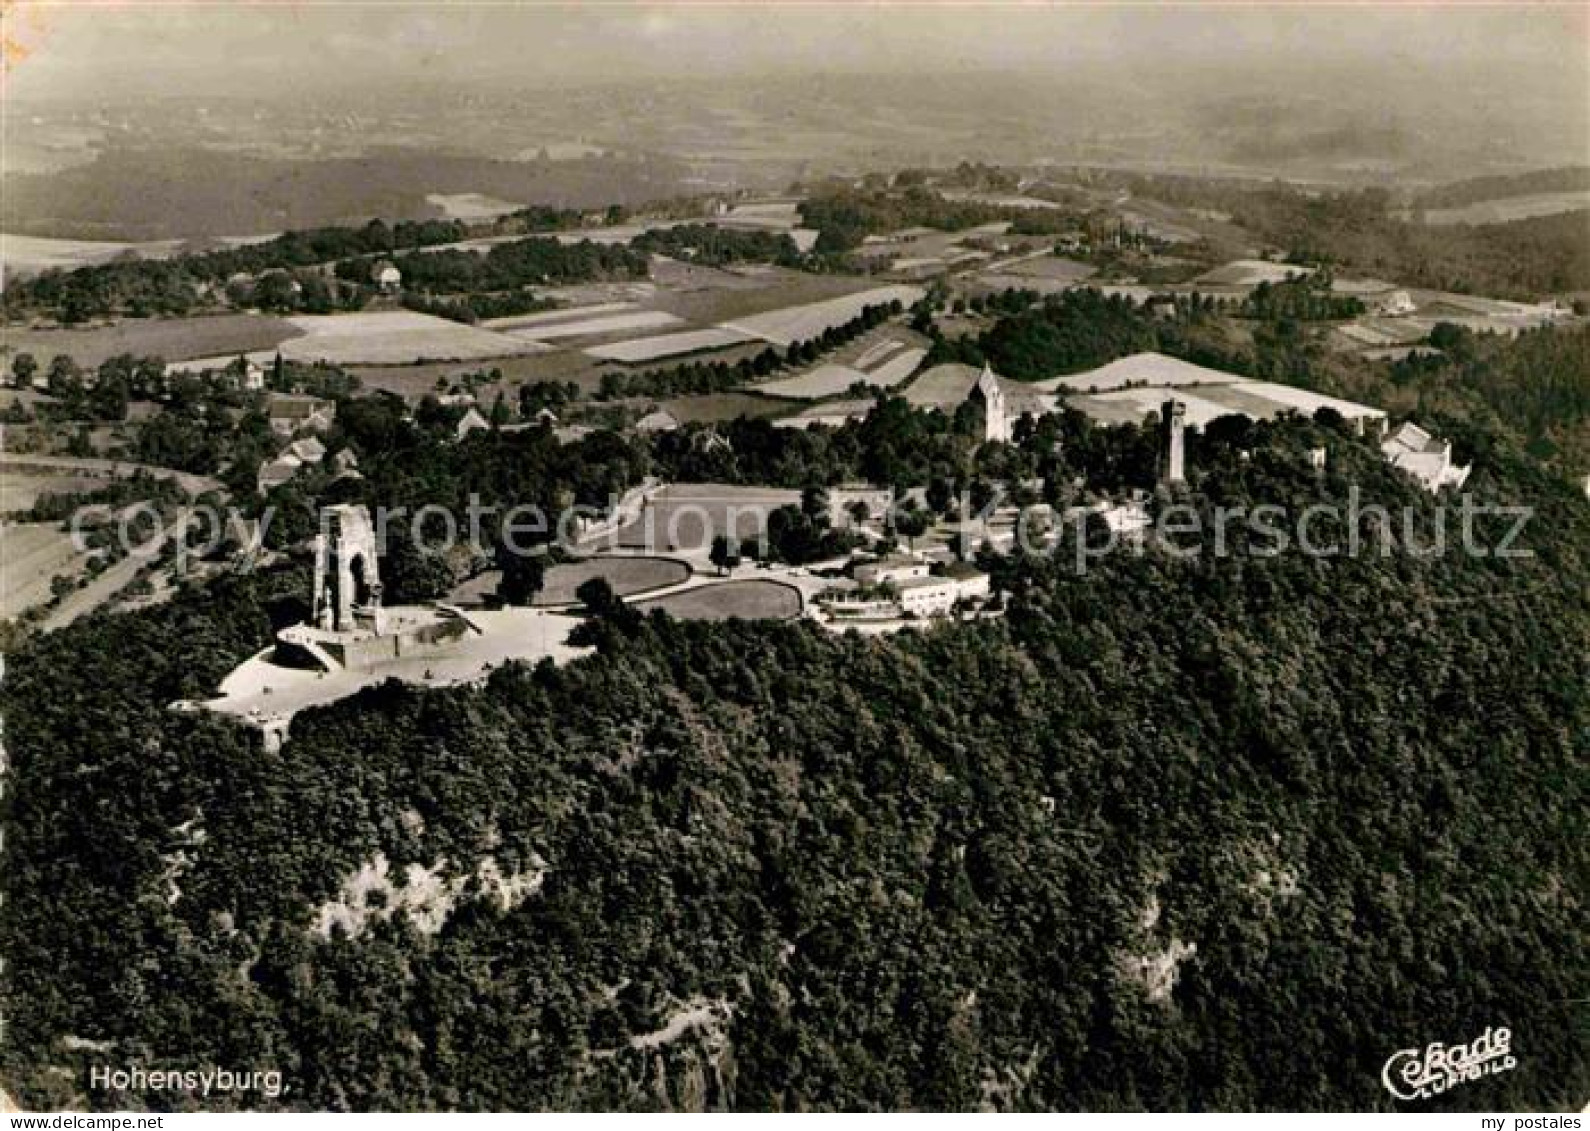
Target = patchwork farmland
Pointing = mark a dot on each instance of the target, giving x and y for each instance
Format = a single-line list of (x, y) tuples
[(169, 338), (395, 337), (808, 320)]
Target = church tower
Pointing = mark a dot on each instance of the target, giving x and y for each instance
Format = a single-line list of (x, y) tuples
[(347, 594), (996, 412), (1173, 455)]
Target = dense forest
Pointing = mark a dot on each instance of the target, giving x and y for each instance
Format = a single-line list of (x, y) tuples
[(1360, 229), (1219, 832), (1571, 178)]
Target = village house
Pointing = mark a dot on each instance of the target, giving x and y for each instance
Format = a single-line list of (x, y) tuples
[(386, 276), (294, 412), (658, 420)]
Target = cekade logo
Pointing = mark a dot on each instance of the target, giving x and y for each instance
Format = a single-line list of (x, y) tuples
[(1419, 1074)]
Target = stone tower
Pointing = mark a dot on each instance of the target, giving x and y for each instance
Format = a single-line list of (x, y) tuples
[(1173, 452), (996, 412), (347, 592)]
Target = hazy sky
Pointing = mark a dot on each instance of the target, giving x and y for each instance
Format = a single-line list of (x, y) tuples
[(115, 47)]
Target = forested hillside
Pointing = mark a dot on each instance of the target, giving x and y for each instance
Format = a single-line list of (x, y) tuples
[(1214, 833)]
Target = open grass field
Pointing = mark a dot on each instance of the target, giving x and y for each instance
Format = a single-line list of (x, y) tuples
[(1052, 267), (746, 600), (471, 207), (174, 339), (712, 408), (396, 337), (627, 576)]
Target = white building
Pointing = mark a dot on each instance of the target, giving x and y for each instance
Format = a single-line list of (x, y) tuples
[(386, 276), (1424, 457), (936, 596), (895, 570)]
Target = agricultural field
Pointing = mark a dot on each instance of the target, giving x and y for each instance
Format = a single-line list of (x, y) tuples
[(1050, 268), (709, 295), (808, 320), (18, 492), (745, 600), (833, 379), (1257, 400), (1139, 369), (713, 408), (35, 554), (1252, 272), (627, 576), (395, 337), (471, 207), (833, 414), (822, 381), (639, 350), (413, 382), (616, 322), (29, 255), (174, 339), (574, 313)]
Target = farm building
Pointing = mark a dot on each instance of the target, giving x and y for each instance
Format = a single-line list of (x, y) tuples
[(386, 276), (658, 420), (292, 412)]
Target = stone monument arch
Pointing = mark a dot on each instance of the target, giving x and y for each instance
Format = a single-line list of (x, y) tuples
[(347, 592)]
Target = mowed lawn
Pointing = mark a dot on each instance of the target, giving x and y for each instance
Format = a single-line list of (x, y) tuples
[(687, 517), (171, 339), (746, 600), (626, 575)]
